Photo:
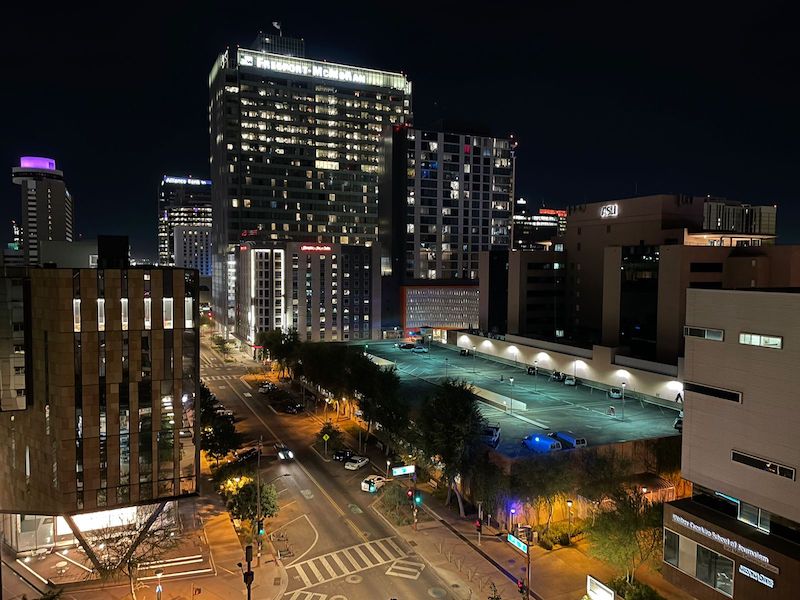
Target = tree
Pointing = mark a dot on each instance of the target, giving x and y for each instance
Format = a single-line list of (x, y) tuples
[(221, 344), (451, 424), (629, 535), (123, 547), (543, 480), (220, 437), (335, 436), (243, 505), (489, 484), (207, 405)]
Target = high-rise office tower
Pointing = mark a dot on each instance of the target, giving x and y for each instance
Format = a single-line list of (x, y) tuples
[(47, 209), (296, 150), (456, 202), (182, 202)]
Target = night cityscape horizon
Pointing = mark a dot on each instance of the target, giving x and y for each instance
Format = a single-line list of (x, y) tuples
[(400, 302)]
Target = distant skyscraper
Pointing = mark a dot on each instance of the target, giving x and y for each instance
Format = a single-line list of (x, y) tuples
[(182, 202), (296, 149), (192, 248), (47, 209)]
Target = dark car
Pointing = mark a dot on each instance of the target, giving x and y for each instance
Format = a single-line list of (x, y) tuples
[(343, 455), (407, 346), (246, 455), (557, 376), (292, 408)]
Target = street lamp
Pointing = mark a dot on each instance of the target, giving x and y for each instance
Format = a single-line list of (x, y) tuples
[(388, 462), (535, 373), (511, 404), (474, 348), (623, 400), (569, 530), (513, 512)]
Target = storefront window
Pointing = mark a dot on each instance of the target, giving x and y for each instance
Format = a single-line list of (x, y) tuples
[(671, 544), (715, 570)]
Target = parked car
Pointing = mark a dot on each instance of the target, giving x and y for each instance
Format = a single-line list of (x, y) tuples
[(557, 376), (615, 393), (343, 455), (568, 439), (541, 443), (406, 346), (266, 387), (373, 483), (283, 452), (292, 408), (465, 352), (570, 380), (491, 435), (356, 462), (246, 454), (221, 410), (420, 350)]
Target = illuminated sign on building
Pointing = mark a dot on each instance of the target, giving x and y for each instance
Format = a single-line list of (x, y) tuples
[(609, 210), (186, 180), (315, 248), (756, 576), (553, 211), (37, 162), (321, 70), (728, 543), (596, 590)]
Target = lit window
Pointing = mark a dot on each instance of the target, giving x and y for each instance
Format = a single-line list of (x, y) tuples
[(716, 335), (101, 314), (764, 341), (76, 315), (148, 313), (167, 309), (188, 312), (124, 312)]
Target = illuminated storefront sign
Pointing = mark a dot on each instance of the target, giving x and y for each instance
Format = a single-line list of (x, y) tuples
[(553, 211), (404, 470), (756, 576), (321, 70), (315, 248), (609, 210), (728, 543), (37, 162), (186, 180)]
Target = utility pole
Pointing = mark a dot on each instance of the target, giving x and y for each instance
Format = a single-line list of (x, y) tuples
[(528, 572), (248, 575)]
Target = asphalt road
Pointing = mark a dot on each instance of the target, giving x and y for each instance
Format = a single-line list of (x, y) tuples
[(341, 548)]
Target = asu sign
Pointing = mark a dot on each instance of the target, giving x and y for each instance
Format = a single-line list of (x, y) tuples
[(609, 211)]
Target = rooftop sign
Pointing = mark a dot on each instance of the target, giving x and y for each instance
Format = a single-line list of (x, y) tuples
[(321, 70), (37, 162), (315, 248), (185, 180), (609, 210)]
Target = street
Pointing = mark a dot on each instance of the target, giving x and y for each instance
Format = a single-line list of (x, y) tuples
[(336, 546)]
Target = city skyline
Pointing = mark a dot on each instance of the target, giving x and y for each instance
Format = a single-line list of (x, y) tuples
[(714, 116)]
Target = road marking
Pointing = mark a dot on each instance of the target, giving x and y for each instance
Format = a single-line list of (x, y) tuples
[(406, 569), (248, 395), (332, 565), (303, 595), (314, 543)]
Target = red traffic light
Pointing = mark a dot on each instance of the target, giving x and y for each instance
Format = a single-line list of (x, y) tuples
[(521, 586), (409, 493), (478, 525)]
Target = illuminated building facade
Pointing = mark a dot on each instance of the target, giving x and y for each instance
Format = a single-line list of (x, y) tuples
[(440, 307), (534, 230), (325, 291), (182, 202), (458, 201), (192, 248), (738, 536), (47, 207), (296, 149), (110, 362)]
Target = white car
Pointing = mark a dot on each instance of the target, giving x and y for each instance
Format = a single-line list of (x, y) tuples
[(570, 380), (356, 462), (373, 483), (420, 350)]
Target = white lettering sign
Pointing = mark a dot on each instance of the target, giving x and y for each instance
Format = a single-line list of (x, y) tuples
[(321, 70), (597, 590), (730, 544), (609, 210), (756, 576), (186, 180)]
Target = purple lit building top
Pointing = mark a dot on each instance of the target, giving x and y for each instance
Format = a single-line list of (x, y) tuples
[(37, 162)]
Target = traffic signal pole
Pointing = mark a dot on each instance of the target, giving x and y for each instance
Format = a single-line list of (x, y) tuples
[(258, 506)]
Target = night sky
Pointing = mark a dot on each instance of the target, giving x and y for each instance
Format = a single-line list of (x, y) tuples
[(606, 99)]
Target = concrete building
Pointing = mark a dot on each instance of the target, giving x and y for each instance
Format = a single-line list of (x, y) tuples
[(438, 307), (47, 207), (739, 535), (532, 229), (182, 202), (296, 149), (446, 196), (327, 292), (105, 365), (192, 249), (639, 255)]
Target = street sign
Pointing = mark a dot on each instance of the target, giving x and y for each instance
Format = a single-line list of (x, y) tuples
[(597, 591), (404, 470), (326, 437), (517, 543)]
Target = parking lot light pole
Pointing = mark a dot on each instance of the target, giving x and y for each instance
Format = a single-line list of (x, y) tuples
[(388, 463), (535, 373), (445, 367), (473, 358), (511, 404), (623, 400)]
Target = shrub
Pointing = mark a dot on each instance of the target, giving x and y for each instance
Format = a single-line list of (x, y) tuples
[(545, 542), (633, 591)]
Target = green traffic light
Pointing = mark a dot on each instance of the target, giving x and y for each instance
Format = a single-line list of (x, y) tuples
[(418, 499)]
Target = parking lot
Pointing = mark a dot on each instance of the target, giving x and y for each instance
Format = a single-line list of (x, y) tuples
[(539, 403)]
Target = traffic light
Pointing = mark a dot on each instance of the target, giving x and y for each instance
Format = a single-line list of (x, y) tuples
[(521, 587), (418, 498), (478, 525), (260, 526), (371, 487), (409, 493)]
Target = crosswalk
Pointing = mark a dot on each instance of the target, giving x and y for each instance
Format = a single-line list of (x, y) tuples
[(219, 377), (344, 562), (304, 595)]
